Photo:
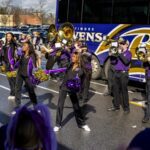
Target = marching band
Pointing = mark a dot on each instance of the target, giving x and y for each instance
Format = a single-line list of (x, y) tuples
[(22, 61)]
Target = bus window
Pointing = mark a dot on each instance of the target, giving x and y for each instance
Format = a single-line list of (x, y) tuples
[(97, 11), (75, 7), (62, 11), (130, 11)]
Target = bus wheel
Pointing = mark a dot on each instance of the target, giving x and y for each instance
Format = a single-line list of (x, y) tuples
[(96, 68), (106, 67)]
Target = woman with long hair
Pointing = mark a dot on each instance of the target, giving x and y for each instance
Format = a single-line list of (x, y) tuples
[(26, 64), (70, 85), (30, 129), (9, 61)]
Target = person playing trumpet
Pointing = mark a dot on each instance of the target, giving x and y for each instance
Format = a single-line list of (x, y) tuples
[(146, 65), (120, 77)]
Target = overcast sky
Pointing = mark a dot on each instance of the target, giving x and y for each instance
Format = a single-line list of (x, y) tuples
[(50, 4)]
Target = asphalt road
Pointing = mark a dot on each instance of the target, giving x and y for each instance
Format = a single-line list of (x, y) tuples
[(109, 129)]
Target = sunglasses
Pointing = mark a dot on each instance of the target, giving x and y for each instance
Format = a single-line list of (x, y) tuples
[(122, 43)]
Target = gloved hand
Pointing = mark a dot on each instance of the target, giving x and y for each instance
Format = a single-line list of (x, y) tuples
[(19, 51)]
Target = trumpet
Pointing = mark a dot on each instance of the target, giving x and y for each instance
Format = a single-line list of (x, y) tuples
[(113, 44), (143, 53), (114, 47)]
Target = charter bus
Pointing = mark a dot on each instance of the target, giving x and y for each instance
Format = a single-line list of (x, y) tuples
[(116, 18)]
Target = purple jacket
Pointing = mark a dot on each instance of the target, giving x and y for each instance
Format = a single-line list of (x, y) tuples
[(147, 69), (9, 55), (26, 65), (122, 62)]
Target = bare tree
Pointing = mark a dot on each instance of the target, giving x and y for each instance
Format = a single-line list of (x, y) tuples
[(2, 10), (4, 19), (49, 19), (40, 11), (16, 11), (6, 4), (5, 11)]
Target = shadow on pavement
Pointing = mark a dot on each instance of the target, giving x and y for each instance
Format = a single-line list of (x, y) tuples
[(62, 147), (47, 96)]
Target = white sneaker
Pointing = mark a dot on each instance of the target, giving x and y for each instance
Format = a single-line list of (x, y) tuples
[(56, 128), (11, 97), (13, 112), (86, 128)]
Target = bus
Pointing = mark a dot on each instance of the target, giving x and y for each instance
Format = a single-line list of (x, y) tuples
[(115, 18)]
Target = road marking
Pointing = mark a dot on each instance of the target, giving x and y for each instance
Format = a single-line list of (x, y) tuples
[(98, 84), (105, 85), (48, 89), (57, 92), (91, 82), (140, 104), (3, 87), (96, 92), (2, 74), (8, 89)]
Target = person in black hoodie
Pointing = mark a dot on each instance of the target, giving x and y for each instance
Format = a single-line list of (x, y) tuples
[(71, 85), (146, 65), (1, 47), (25, 67), (9, 61)]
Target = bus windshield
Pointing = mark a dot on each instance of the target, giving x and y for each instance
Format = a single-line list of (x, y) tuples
[(104, 11)]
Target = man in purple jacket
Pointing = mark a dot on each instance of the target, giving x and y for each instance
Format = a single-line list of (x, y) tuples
[(120, 77)]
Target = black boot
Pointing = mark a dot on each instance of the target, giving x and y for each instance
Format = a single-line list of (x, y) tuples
[(145, 119)]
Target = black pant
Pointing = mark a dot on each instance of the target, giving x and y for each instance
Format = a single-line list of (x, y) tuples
[(12, 83), (147, 112), (1, 58), (110, 80), (85, 85), (29, 86), (120, 90), (77, 110)]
